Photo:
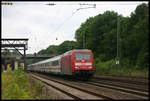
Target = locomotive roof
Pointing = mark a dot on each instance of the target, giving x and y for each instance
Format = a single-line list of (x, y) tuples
[(76, 50), (80, 50)]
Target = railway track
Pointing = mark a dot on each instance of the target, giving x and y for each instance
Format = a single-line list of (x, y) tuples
[(132, 80), (132, 91), (129, 85), (143, 94), (70, 90), (142, 88), (135, 91)]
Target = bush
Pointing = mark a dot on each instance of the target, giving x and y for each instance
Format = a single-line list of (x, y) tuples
[(143, 60), (16, 85), (104, 67), (125, 69)]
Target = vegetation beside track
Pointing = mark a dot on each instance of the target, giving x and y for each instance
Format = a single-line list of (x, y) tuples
[(16, 85), (110, 68)]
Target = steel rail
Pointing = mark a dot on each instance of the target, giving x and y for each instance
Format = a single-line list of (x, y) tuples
[(87, 91), (133, 87), (71, 95), (120, 89), (120, 80)]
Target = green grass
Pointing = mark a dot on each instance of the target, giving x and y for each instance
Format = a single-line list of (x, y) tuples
[(131, 72), (16, 85), (110, 68)]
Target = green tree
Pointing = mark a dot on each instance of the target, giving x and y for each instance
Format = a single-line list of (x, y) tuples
[(137, 36), (66, 46), (92, 33)]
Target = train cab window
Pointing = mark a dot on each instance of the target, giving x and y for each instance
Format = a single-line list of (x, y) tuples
[(82, 56)]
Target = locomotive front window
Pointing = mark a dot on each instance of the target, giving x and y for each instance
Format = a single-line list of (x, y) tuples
[(82, 56)]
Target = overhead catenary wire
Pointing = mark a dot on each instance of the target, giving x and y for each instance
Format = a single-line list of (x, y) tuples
[(94, 6), (64, 22)]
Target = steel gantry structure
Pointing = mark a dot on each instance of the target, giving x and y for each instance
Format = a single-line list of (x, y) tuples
[(15, 44)]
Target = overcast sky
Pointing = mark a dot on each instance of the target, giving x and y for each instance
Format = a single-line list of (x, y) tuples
[(42, 24)]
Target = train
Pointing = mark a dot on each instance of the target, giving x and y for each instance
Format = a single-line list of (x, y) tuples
[(74, 63)]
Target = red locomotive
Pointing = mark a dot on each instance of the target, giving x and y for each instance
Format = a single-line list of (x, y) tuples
[(78, 63)]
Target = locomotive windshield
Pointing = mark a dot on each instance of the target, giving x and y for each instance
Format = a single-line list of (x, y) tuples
[(82, 56)]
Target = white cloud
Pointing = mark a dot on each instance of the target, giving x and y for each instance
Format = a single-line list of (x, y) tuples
[(40, 22)]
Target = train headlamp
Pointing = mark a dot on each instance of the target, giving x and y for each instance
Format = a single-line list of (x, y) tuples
[(76, 67)]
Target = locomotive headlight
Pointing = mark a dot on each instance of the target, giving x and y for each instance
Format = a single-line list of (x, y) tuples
[(90, 67), (76, 67)]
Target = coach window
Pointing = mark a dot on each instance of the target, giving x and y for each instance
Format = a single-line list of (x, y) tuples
[(49, 64), (46, 64), (52, 63), (57, 63)]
